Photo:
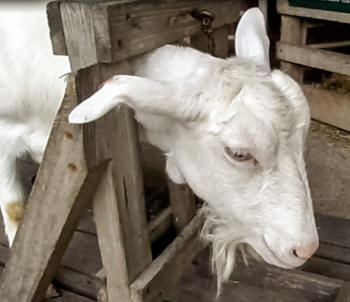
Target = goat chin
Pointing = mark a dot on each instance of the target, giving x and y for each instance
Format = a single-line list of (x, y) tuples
[(225, 241)]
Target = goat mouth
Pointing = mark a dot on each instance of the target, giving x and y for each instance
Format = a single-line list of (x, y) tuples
[(278, 261)]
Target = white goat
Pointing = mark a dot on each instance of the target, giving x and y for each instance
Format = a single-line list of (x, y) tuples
[(31, 92), (232, 129)]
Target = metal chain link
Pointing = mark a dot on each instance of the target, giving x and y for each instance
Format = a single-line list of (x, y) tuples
[(206, 18)]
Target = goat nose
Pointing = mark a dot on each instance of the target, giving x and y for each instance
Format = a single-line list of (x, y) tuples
[(305, 251)]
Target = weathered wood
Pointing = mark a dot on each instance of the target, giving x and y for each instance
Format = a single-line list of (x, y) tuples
[(77, 282), (161, 224), (110, 238), (83, 254), (221, 41), (283, 7), (316, 58), (139, 27), (183, 204), (162, 274), (328, 106), (292, 32), (333, 252), (115, 137), (333, 230), (200, 287), (113, 31), (344, 293), (334, 44), (79, 34), (56, 28), (40, 244), (328, 268)]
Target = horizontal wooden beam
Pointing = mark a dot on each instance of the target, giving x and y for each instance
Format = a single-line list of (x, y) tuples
[(162, 273), (283, 7), (330, 44), (329, 107), (316, 58), (160, 225), (112, 31)]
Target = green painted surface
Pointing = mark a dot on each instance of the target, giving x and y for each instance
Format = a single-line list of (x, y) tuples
[(332, 5)]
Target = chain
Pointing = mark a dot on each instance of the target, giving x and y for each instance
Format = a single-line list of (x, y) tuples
[(206, 18)]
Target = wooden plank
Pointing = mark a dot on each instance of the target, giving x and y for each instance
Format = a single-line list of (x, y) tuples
[(330, 44), (79, 34), (72, 280), (162, 274), (221, 41), (123, 29), (344, 293), (160, 225), (183, 204), (56, 28), (114, 136), (328, 268), (198, 287), (77, 282), (316, 58), (83, 254), (110, 238), (40, 243), (292, 32), (333, 230), (283, 7), (328, 106), (333, 252), (138, 27)]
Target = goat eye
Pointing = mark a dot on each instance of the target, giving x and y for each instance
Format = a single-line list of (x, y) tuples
[(238, 156)]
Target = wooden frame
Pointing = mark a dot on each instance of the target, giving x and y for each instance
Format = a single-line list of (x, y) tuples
[(99, 162), (294, 53)]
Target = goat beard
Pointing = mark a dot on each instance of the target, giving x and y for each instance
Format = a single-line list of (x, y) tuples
[(225, 241)]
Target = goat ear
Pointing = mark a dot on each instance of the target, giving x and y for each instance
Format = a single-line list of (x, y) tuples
[(251, 40), (141, 94)]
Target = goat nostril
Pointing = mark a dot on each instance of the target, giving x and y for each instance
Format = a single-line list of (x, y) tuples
[(305, 251)]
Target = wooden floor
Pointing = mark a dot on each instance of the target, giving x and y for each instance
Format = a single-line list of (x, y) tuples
[(319, 280)]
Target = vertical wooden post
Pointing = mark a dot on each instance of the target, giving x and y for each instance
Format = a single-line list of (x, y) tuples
[(183, 204), (115, 137), (110, 239), (292, 33)]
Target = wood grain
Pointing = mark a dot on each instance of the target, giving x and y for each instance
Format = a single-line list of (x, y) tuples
[(292, 33), (115, 137), (344, 293), (283, 7), (56, 28), (40, 243), (110, 238), (316, 58), (166, 269), (183, 204), (328, 106)]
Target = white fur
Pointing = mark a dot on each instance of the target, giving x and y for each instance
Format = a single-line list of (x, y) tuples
[(192, 106), (31, 92)]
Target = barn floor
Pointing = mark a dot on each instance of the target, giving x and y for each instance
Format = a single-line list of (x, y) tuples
[(319, 280)]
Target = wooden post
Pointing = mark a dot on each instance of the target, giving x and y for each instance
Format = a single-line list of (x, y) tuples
[(183, 204), (115, 137), (292, 33), (63, 186)]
